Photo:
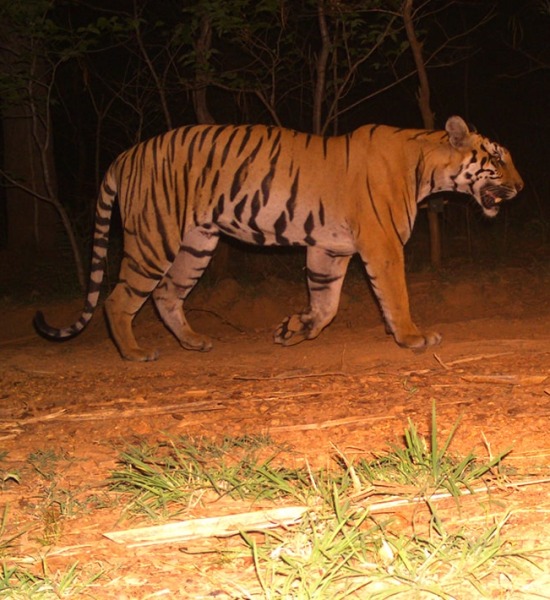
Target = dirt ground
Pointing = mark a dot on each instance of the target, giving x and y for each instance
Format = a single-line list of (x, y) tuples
[(352, 388)]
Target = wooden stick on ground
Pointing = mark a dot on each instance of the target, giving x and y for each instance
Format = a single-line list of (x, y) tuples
[(223, 526), (283, 376), (459, 361)]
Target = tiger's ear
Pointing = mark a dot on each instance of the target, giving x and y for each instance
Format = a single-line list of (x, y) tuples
[(458, 131)]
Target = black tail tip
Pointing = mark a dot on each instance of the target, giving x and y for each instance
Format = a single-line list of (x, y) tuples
[(39, 322), (44, 330), (57, 335), (40, 325)]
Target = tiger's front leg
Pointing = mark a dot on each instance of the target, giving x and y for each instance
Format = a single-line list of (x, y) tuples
[(384, 262), (325, 276)]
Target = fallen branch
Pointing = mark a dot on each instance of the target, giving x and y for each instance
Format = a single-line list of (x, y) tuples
[(506, 379), (282, 376), (459, 361), (102, 413), (329, 424), (394, 502), (223, 526), (30, 420)]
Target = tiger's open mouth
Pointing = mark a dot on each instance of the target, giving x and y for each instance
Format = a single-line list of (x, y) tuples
[(492, 196)]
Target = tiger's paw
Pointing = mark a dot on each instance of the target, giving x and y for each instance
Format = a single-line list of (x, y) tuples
[(420, 342), (292, 331), (200, 343), (140, 355)]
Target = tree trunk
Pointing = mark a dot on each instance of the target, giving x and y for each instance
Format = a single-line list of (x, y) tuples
[(321, 69), (428, 120), (416, 49), (28, 159), (202, 49), (33, 210)]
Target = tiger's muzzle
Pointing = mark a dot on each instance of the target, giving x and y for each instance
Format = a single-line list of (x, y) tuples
[(493, 195)]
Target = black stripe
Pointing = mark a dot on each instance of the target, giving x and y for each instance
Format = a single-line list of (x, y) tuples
[(136, 292), (227, 146), (166, 189), (291, 202), (183, 133), (254, 210), (410, 217), (280, 228), (259, 238), (418, 172), (275, 147), (172, 145), (317, 277), (93, 287), (308, 228), (332, 254), (108, 190), (321, 213), (432, 180), (214, 183), (244, 142), (196, 252), (101, 242), (265, 185), (219, 130), (236, 184), (395, 226), (218, 209), (239, 208), (204, 135), (191, 148), (210, 158), (372, 130), (242, 172), (169, 253), (257, 235), (373, 203)]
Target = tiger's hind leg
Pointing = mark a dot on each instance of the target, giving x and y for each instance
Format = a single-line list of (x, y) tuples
[(325, 276), (188, 267), (122, 306)]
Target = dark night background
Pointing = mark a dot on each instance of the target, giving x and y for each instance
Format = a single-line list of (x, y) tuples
[(114, 73)]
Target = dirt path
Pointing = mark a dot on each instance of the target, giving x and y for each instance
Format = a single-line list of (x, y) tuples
[(352, 388)]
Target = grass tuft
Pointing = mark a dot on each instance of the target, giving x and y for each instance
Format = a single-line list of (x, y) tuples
[(340, 549), (429, 468)]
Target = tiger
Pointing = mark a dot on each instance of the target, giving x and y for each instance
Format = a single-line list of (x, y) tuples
[(338, 196)]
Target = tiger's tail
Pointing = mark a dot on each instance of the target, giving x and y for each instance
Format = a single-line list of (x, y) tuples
[(104, 210)]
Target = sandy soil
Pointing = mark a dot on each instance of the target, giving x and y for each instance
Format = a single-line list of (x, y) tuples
[(352, 388)]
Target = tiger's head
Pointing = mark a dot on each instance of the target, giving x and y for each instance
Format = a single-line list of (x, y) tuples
[(485, 170)]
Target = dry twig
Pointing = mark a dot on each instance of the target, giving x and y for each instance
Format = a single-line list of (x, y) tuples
[(223, 526)]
